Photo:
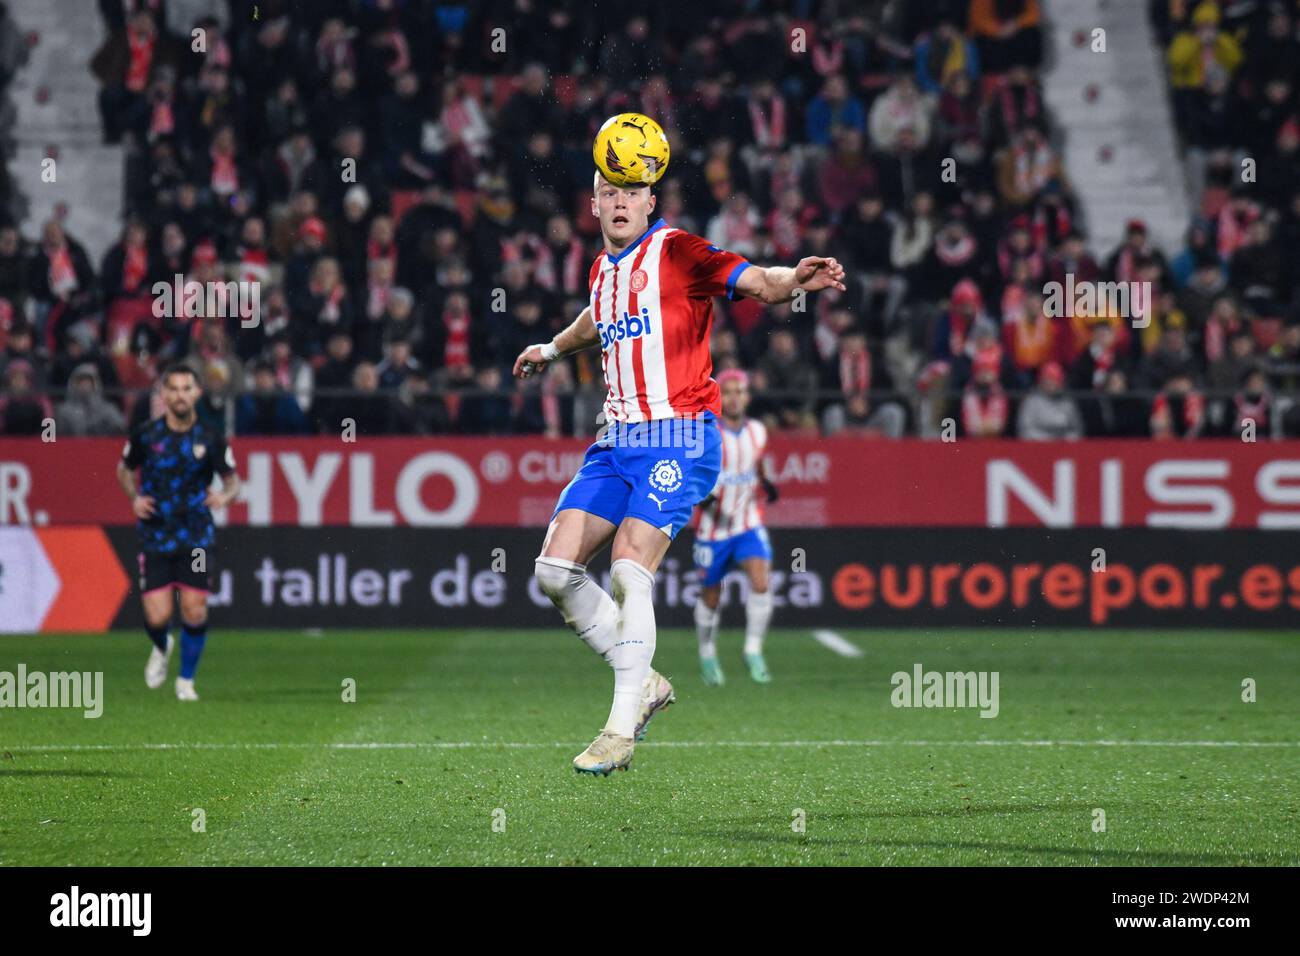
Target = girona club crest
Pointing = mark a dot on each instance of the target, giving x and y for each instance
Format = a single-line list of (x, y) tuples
[(666, 476), (639, 280)]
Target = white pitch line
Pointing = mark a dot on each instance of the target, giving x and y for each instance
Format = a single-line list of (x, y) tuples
[(674, 744), (837, 643)]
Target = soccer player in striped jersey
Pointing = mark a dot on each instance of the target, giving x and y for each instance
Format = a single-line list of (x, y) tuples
[(731, 533), (650, 311)]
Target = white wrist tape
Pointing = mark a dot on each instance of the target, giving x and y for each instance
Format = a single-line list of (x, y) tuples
[(549, 352)]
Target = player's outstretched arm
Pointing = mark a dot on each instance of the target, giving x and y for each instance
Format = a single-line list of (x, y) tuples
[(580, 335), (776, 284)]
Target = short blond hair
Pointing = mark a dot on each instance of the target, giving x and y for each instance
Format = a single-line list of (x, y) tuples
[(597, 179)]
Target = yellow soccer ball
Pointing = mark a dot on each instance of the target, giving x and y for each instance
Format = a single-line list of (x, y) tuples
[(631, 150)]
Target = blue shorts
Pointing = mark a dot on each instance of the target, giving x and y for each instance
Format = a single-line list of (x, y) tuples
[(657, 471), (715, 558)]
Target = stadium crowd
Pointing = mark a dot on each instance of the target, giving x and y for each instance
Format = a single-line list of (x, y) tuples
[(408, 184)]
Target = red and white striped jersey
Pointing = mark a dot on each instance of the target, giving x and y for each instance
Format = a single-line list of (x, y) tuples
[(735, 507), (653, 307)]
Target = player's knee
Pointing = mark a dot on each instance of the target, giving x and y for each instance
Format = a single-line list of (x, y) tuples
[(557, 578), (194, 619)]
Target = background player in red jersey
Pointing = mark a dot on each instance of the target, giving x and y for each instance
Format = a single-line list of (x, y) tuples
[(651, 312)]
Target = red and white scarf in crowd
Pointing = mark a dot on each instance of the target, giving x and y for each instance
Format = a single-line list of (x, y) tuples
[(254, 265), (284, 374), (828, 58), (786, 235), (957, 253), (135, 267), (1014, 113), (162, 121), (768, 124), (137, 68), (1032, 169), (225, 174), (1257, 411), (376, 252), (1007, 257), (1193, 409), (377, 299), (551, 407), (330, 56), (456, 351), (1102, 362), (564, 272), (219, 53), (855, 373), (984, 412), (826, 339), (1231, 228), (457, 116), (62, 275), (738, 228), (783, 180), (1050, 229), (332, 310), (401, 52)]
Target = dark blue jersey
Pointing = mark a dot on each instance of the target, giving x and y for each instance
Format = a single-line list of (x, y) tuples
[(176, 470)]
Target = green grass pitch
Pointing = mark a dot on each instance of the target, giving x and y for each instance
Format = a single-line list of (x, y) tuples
[(457, 751)]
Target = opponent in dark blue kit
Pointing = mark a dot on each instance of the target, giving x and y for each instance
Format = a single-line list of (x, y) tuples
[(177, 455)]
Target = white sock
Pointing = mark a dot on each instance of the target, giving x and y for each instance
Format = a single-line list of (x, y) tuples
[(758, 614), (633, 588), (587, 609), (706, 628)]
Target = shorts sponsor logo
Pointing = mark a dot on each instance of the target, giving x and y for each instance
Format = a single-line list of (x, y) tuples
[(666, 476)]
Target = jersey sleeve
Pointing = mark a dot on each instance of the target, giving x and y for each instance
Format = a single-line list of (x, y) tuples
[(706, 270), (134, 451), (223, 459)]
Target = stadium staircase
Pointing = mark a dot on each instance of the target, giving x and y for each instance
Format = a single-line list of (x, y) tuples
[(1115, 122), (56, 98)]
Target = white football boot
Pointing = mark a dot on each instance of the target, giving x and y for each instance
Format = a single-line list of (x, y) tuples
[(185, 689), (155, 670), (656, 695), (607, 753)]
